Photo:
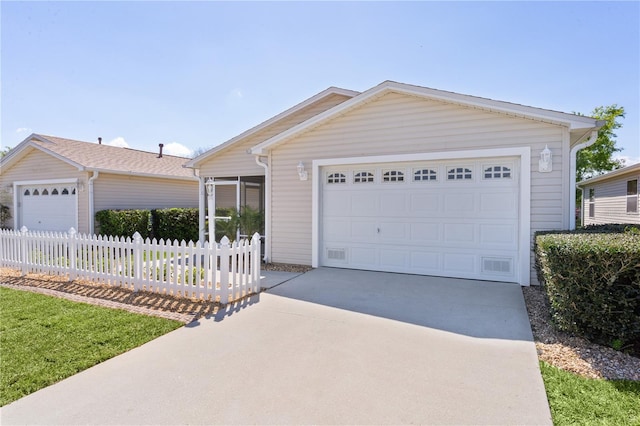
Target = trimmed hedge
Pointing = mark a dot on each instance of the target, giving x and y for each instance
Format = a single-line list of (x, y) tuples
[(175, 224), (592, 279), (124, 223)]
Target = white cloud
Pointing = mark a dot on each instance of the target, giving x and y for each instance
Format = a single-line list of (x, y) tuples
[(177, 149), (627, 161), (119, 141), (23, 130), (236, 93)]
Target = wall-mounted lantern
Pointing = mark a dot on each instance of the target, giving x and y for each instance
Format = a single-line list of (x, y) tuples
[(545, 164), (302, 173)]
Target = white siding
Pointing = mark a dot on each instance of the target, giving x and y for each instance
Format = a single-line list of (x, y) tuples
[(38, 166), (610, 201), (113, 191), (401, 124), (234, 161)]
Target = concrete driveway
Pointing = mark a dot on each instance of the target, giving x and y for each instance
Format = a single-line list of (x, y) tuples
[(327, 347)]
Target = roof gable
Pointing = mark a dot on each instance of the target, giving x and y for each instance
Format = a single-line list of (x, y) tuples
[(271, 123), (88, 156), (580, 126)]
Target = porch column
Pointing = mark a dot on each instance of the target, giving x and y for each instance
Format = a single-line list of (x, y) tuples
[(211, 208)]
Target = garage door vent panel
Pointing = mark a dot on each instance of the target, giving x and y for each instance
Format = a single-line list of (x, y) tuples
[(339, 254), (494, 265)]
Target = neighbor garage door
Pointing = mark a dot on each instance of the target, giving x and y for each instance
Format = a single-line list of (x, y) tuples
[(454, 218), (48, 207)]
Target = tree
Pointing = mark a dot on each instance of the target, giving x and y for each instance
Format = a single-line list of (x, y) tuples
[(598, 158), (5, 151)]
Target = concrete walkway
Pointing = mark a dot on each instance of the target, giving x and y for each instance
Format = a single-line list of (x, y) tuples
[(327, 347)]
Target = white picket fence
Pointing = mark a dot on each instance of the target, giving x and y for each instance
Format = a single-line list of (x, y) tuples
[(222, 272)]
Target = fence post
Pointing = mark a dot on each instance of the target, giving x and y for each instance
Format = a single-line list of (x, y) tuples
[(23, 250), (137, 261), (73, 251), (224, 254), (256, 242)]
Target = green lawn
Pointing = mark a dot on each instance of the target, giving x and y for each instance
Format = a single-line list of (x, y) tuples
[(45, 339), (575, 400)]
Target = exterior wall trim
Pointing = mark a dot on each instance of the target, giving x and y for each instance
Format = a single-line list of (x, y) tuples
[(524, 238)]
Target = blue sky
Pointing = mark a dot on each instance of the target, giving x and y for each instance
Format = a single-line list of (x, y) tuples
[(195, 74)]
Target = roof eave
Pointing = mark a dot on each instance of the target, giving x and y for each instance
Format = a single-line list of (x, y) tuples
[(138, 174), (615, 173)]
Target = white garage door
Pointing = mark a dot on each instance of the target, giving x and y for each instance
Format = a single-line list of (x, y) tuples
[(48, 207), (455, 218)]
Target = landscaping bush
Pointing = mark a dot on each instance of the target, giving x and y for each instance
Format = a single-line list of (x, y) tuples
[(592, 279), (175, 224), (124, 223)]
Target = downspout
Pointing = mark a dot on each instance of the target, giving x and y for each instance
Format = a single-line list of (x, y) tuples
[(572, 174), (267, 208), (91, 206)]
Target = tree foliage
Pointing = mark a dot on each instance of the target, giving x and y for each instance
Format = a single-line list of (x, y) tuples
[(4, 151), (598, 158)]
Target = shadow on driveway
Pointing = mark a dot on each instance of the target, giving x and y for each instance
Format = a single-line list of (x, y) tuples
[(473, 308)]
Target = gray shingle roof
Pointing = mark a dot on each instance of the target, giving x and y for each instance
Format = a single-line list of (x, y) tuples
[(93, 156)]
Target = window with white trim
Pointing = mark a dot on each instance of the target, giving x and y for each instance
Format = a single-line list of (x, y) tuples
[(45, 191), (424, 175), (36, 192), (55, 191), (592, 202), (336, 178), (632, 196), (459, 173), (497, 172), (362, 177), (393, 176), (65, 191)]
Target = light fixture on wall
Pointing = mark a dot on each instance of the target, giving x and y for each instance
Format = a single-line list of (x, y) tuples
[(208, 183), (302, 173), (545, 165), (81, 186)]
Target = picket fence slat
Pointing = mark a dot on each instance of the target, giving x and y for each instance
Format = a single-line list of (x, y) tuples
[(221, 272)]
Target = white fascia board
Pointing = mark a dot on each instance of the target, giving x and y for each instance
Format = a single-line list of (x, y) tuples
[(45, 181), (553, 117), (149, 175), (524, 239), (634, 168), (330, 91)]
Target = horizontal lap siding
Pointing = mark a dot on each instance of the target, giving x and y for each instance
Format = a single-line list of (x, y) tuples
[(610, 202), (132, 192), (235, 161), (400, 124), (37, 165)]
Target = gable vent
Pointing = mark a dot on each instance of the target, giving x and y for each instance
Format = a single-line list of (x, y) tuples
[(501, 266), (336, 254)]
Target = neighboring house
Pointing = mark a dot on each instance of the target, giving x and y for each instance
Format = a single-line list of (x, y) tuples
[(55, 184), (403, 178), (612, 197)]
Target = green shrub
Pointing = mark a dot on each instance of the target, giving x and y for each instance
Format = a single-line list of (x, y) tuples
[(175, 224), (124, 223), (592, 279)]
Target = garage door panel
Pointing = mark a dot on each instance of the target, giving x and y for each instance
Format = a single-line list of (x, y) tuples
[(459, 203), (501, 203), (422, 232), (456, 233), (364, 204), (337, 204), (47, 207), (459, 263), (423, 202), (393, 204), (462, 227)]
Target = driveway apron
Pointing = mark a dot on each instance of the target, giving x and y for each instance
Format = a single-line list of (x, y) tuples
[(330, 346)]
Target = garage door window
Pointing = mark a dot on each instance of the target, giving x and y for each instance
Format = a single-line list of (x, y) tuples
[(393, 176), (336, 178), (36, 192), (459, 173), (497, 172), (424, 175), (363, 177)]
